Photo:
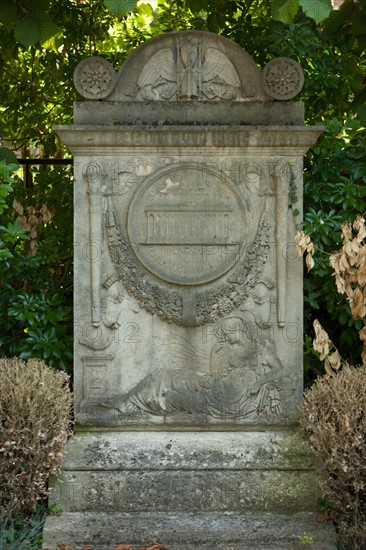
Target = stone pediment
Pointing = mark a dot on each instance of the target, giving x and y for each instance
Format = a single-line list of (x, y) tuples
[(189, 66)]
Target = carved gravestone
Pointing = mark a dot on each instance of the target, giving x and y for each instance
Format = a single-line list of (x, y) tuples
[(188, 301)]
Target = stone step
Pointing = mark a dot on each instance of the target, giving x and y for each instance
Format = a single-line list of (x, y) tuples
[(189, 531), (176, 472)]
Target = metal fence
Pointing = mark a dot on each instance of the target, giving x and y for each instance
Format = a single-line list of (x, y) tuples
[(27, 163)]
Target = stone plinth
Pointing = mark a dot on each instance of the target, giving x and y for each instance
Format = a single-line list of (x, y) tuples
[(240, 490), (188, 302)]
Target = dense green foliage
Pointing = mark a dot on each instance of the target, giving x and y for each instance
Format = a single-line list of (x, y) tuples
[(37, 92), (36, 289)]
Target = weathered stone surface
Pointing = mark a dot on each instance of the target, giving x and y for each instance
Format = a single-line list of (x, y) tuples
[(160, 113), (242, 472), (212, 285), (188, 303), (166, 491), (187, 531), (259, 450), (253, 142)]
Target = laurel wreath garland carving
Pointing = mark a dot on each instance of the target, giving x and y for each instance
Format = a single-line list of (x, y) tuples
[(167, 304), (212, 303)]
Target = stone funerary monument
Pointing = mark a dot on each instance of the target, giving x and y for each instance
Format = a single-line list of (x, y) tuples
[(188, 302)]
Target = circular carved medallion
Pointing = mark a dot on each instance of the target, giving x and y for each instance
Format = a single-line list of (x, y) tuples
[(186, 224), (94, 78), (282, 78)]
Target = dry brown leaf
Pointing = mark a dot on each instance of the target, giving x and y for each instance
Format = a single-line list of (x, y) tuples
[(327, 366), (46, 214), (362, 334), (348, 248), (352, 258), (33, 219), (359, 279), (321, 341), (334, 261), (310, 248), (309, 262), (357, 304), (356, 246), (18, 207), (343, 263), (346, 229), (24, 223), (361, 254), (359, 225), (341, 284), (335, 360), (302, 241), (123, 547)]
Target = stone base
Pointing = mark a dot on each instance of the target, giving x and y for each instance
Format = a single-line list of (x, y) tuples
[(187, 531), (206, 490)]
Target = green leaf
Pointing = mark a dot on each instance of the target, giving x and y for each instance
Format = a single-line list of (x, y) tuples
[(7, 155), (316, 9), (284, 10), (27, 31), (145, 9), (50, 35), (120, 7)]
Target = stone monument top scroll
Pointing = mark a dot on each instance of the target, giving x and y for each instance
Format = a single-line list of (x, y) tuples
[(192, 67), (186, 66), (188, 299)]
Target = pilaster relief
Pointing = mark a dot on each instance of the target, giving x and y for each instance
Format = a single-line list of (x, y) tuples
[(106, 295)]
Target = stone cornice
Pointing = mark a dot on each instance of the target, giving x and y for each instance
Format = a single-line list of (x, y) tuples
[(262, 140)]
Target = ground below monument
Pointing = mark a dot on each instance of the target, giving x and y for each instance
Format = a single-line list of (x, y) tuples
[(188, 531)]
